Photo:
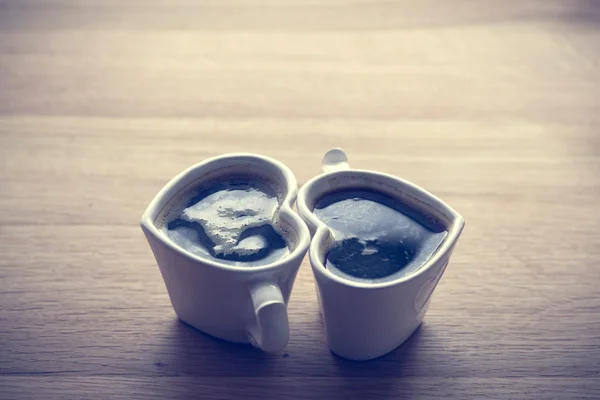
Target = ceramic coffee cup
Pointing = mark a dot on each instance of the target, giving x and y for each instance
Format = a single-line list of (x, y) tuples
[(244, 304), (365, 320)]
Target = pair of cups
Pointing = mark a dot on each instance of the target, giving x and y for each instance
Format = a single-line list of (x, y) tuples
[(249, 304)]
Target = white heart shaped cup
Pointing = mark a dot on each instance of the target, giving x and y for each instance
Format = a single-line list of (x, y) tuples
[(365, 320), (243, 304)]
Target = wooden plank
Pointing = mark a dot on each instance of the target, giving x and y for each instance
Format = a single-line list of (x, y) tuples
[(300, 388), (99, 287), (493, 106)]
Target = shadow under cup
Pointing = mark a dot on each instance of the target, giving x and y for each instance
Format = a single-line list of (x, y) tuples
[(365, 318)]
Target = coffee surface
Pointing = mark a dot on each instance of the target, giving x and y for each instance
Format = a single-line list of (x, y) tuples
[(376, 237), (230, 221)]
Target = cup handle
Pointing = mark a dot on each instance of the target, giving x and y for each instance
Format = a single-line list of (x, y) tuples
[(334, 160), (270, 330)]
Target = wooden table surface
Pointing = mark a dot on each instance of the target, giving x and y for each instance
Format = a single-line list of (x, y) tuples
[(492, 106)]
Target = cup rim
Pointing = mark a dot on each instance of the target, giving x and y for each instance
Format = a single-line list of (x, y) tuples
[(322, 232), (202, 168)]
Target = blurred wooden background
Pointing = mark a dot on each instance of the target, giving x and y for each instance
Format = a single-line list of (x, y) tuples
[(492, 105)]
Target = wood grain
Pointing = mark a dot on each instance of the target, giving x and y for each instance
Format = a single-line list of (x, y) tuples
[(493, 106)]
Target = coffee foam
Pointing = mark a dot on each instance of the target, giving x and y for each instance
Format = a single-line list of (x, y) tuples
[(225, 218)]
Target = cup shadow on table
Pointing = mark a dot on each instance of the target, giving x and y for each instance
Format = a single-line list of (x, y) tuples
[(186, 351), (380, 376)]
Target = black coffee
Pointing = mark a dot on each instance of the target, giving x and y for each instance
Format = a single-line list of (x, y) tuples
[(377, 237), (229, 221)]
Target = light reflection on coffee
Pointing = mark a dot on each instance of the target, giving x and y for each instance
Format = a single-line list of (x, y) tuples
[(377, 238)]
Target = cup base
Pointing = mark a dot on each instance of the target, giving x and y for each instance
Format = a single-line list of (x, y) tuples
[(357, 355)]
